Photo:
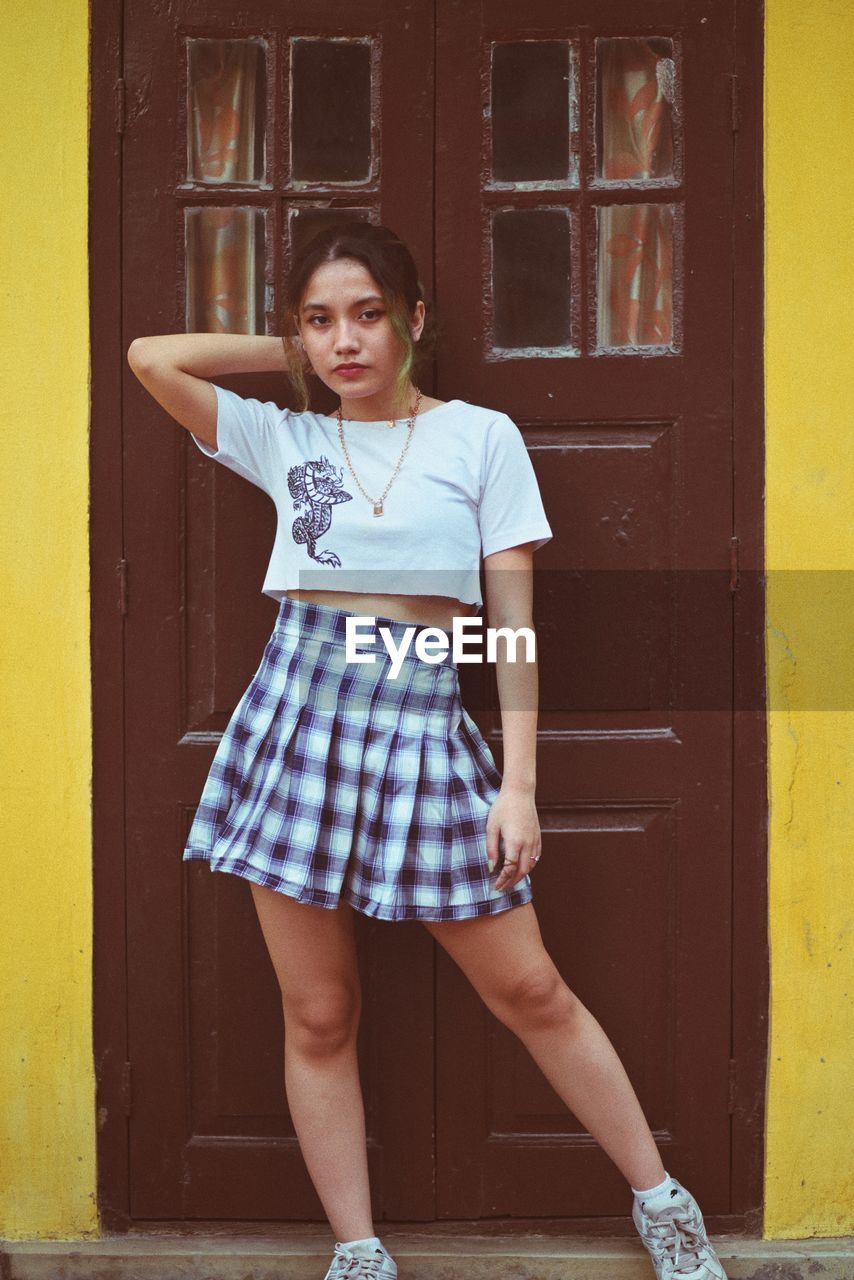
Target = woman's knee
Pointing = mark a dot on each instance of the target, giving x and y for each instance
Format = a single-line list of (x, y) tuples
[(538, 997), (324, 1020)]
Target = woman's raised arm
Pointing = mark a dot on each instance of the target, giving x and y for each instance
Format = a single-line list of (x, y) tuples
[(174, 368)]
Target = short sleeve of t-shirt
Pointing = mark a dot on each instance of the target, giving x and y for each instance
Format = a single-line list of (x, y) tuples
[(246, 435), (510, 510)]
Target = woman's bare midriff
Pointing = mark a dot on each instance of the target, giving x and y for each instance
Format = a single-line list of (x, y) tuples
[(431, 611)]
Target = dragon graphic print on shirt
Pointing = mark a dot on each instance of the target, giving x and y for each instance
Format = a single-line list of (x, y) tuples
[(315, 486)]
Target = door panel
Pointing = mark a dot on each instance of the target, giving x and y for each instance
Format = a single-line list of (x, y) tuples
[(216, 191), (604, 329)]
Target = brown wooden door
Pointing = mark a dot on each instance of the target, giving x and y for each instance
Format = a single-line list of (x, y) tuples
[(210, 1134), (473, 130), (583, 265)]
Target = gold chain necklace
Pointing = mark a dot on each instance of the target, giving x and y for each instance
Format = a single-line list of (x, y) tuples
[(377, 503)]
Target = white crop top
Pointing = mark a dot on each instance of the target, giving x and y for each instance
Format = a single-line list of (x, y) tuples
[(466, 488)]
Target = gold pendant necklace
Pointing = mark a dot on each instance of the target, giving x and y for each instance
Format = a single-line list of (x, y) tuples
[(377, 503)]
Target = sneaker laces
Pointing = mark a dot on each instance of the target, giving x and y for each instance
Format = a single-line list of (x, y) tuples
[(678, 1235), (352, 1265)]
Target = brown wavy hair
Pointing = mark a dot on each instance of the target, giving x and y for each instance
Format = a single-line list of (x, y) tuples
[(392, 266)]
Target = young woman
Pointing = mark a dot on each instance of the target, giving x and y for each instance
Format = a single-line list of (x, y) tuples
[(339, 786)]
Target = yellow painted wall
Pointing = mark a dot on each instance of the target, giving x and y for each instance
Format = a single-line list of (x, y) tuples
[(809, 387), (47, 1114)]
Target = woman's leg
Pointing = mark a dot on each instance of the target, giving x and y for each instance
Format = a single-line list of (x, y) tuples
[(314, 955), (504, 958)]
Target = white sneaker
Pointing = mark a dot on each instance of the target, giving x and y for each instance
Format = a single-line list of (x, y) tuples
[(361, 1262), (675, 1239)]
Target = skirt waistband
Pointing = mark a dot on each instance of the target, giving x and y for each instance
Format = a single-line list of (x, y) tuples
[(312, 621)]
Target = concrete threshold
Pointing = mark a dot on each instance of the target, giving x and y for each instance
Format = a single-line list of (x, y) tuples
[(306, 1255)]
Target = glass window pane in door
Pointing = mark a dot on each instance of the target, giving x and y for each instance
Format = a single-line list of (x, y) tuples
[(226, 95), (635, 91), (331, 110), (224, 270), (634, 284), (304, 223), (533, 107), (531, 279)]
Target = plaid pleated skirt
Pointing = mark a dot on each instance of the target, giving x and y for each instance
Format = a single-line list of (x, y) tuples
[(332, 781)]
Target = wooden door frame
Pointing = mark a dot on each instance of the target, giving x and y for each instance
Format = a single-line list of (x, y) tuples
[(112, 106)]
